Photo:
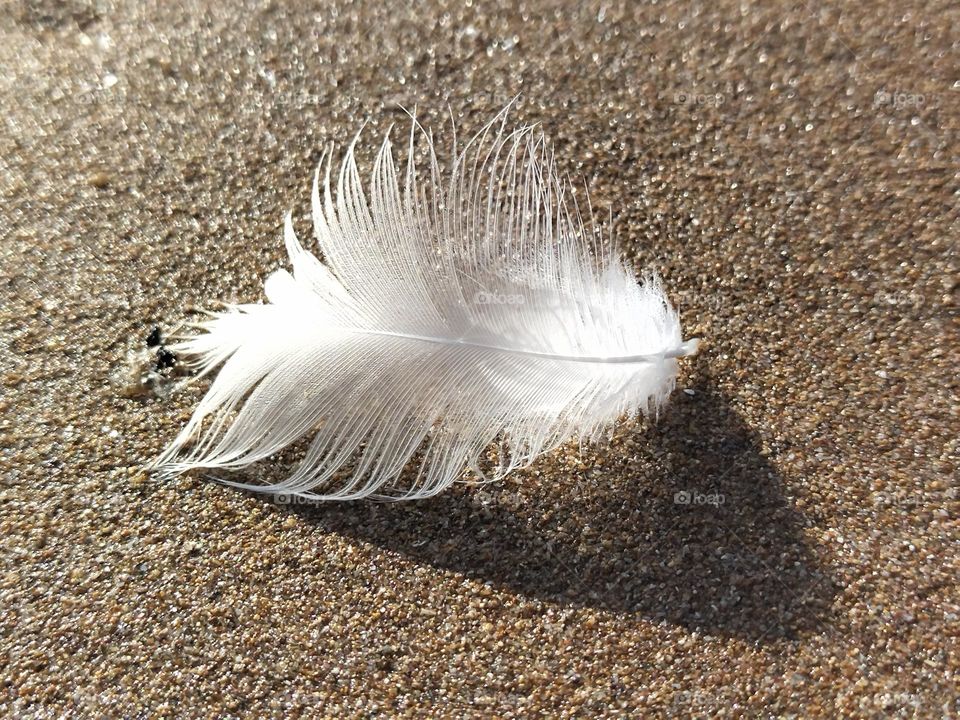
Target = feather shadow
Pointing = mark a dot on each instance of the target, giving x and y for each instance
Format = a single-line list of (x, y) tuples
[(659, 542)]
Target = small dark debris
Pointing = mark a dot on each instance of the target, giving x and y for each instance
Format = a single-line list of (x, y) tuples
[(154, 338), (165, 359)]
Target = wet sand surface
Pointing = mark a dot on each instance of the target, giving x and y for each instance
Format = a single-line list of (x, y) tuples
[(791, 170)]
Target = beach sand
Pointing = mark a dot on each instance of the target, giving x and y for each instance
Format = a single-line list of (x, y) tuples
[(791, 170)]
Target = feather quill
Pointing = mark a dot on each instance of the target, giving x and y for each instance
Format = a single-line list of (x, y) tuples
[(453, 308)]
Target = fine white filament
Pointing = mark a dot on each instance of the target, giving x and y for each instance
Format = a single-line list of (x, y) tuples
[(453, 308)]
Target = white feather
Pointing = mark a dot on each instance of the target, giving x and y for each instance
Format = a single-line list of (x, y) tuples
[(451, 310)]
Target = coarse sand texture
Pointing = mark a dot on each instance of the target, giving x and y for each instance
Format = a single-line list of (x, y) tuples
[(782, 543)]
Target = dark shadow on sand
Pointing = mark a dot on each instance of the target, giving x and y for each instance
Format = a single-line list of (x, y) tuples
[(739, 567)]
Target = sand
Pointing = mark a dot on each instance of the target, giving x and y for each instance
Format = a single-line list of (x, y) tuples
[(790, 169)]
